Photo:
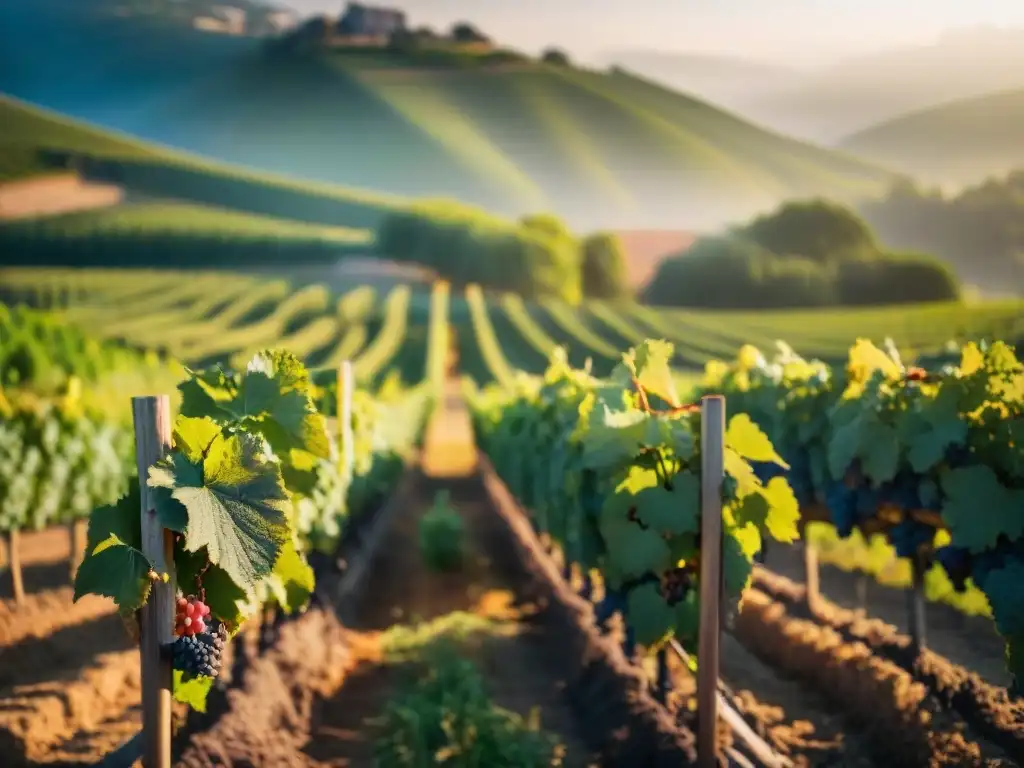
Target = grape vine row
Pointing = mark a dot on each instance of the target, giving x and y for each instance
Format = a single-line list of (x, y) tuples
[(932, 459)]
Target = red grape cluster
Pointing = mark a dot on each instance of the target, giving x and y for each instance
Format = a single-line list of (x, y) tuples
[(190, 617)]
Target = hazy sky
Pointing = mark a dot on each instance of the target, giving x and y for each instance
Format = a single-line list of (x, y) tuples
[(777, 29)]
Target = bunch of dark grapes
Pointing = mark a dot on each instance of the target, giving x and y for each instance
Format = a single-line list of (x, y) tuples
[(675, 585), (201, 654)]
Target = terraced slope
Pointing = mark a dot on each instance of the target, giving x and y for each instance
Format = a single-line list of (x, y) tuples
[(403, 330), (963, 141)]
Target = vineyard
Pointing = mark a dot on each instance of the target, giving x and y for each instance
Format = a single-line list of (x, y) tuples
[(336, 488)]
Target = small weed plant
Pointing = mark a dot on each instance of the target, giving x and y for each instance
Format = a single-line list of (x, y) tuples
[(447, 718), (441, 535)]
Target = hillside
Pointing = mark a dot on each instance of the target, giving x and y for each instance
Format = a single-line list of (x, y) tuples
[(828, 103), (37, 141), (963, 141), (602, 150)]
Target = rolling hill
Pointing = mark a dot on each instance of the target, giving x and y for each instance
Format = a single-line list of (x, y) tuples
[(36, 141), (960, 142), (827, 103), (601, 149)]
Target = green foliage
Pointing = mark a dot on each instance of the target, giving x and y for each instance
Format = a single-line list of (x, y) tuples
[(59, 459), (243, 451), (604, 267), (43, 353), (732, 271), (531, 259), (955, 432), (897, 278), (446, 717), (442, 533), (614, 477), (818, 230), (802, 255)]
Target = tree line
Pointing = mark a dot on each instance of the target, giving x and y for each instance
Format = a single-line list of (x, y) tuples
[(805, 254)]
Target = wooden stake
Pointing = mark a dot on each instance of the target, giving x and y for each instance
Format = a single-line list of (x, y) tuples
[(152, 442), (812, 594), (13, 541), (712, 442), (862, 591), (77, 535), (916, 605)]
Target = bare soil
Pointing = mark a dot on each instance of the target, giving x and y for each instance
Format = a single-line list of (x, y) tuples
[(55, 194)]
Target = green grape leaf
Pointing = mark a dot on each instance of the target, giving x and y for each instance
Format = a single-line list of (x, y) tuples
[(934, 429), (235, 503), (687, 620), (193, 691), (784, 516), (740, 470), (879, 450), (650, 617), (978, 509), (204, 391), (117, 571), (675, 511), (292, 581), (1002, 587), (843, 447), (122, 520), (632, 550), (736, 566), (614, 437), (649, 362), (747, 439)]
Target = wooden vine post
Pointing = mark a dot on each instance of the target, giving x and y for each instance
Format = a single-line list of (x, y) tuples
[(812, 589), (916, 603), (152, 417), (712, 447), (11, 540), (345, 387)]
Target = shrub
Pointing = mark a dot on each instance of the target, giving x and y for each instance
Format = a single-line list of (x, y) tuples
[(818, 230), (537, 258), (733, 272), (441, 535), (896, 278), (604, 267)]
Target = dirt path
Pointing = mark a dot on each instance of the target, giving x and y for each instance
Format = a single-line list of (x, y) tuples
[(970, 641), (401, 589)]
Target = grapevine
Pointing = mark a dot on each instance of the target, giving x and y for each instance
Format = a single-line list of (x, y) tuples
[(931, 458), (251, 484), (611, 470)]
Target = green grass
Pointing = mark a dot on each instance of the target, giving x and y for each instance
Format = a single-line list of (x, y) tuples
[(963, 141)]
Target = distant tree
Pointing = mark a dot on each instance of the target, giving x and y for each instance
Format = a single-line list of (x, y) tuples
[(557, 57), (818, 230), (464, 32), (546, 223), (604, 267)]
